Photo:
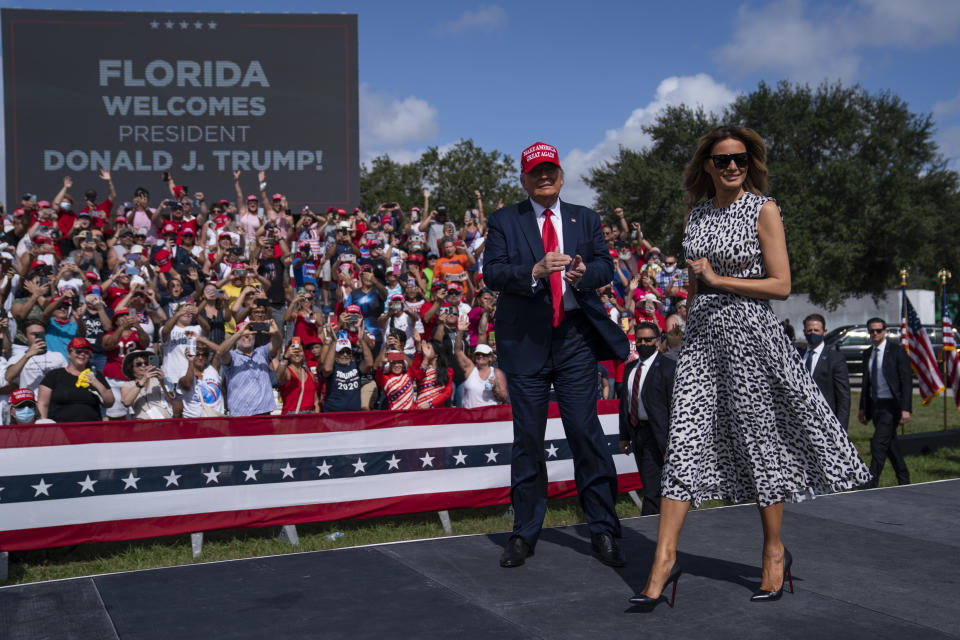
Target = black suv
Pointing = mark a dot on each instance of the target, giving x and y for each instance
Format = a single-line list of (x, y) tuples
[(853, 340)]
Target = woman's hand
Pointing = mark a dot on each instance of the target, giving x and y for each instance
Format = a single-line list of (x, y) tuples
[(703, 271)]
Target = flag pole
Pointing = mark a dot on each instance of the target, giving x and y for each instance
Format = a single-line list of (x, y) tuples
[(944, 276), (904, 342)]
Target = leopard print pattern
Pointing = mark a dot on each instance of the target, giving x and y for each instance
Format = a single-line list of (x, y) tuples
[(747, 420)]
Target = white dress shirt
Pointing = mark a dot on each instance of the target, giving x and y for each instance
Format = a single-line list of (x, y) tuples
[(569, 300), (883, 389), (645, 365), (817, 352)]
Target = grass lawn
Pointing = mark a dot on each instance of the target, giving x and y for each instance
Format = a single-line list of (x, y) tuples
[(87, 559)]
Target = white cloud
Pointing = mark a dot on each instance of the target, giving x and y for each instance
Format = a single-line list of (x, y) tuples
[(947, 107), (699, 90), (386, 121), (811, 44), (949, 143), (486, 18)]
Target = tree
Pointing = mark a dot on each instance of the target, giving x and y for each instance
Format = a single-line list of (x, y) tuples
[(389, 181), (863, 189), (453, 176)]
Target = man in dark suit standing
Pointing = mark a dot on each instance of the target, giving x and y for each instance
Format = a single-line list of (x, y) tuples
[(645, 395), (828, 368), (887, 398), (547, 258)]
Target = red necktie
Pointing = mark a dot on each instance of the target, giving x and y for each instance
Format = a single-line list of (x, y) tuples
[(550, 243), (635, 395)]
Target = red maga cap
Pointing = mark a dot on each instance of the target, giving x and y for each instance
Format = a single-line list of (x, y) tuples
[(19, 396), (537, 153), (80, 343), (277, 196), (353, 308)]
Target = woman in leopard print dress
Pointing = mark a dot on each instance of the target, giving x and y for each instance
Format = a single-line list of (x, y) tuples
[(747, 420)]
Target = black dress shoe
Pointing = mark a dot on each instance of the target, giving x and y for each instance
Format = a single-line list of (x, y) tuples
[(646, 604), (515, 553), (607, 550), (762, 595)]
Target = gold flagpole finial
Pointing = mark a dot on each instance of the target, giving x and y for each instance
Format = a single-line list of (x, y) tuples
[(903, 277), (944, 275)]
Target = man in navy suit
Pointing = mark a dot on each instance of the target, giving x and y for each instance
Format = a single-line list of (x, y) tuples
[(886, 396), (645, 395), (828, 368), (547, 258)]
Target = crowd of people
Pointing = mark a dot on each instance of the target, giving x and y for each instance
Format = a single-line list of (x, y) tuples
[(176, 305)]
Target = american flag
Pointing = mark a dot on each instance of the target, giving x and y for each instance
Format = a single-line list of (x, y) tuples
[(915, 340), (63, 484), (951, 365)]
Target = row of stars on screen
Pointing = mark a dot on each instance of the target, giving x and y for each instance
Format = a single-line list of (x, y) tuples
[(184, 25), (213, 476)]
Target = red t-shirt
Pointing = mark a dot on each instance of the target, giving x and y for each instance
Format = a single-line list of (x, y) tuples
[(290, 392), (114, 366)]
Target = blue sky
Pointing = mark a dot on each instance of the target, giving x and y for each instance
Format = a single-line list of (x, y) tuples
[(586, 76)]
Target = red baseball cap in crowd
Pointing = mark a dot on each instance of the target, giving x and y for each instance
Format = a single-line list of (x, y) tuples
[(438, 284), (453, 286), (412, 209), (43, 204), (188, 229), (178, 191), (19, 396), (277, 196), (331, 209), (415, 257), (397, 297), (341, 212), (170, 227), (252, 197), (221, 220), (162, 260), (37, 263), (223, 202), (395, 356), (353, 308), (121, 311), (237, 265), (538, 153), (80, 343), (356, 209), (92, 276)]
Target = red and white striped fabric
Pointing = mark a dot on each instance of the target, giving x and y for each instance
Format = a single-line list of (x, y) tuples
[(951, 365), (63, 484), (915, 340)]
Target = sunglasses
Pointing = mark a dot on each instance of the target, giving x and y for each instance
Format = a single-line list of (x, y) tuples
[(872, 331), (722, 161)]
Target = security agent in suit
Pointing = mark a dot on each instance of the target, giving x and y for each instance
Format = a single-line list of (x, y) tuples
[(552, 329), (645, 395), (886, 398), (828, 368)]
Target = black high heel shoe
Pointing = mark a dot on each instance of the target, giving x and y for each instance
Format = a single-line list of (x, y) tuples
[(762, 595), (646, 603)]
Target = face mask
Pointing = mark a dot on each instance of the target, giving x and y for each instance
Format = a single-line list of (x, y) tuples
[(813, 339), (646, 350), (66, 206), (670, 268), (624, 255), (24, 414)]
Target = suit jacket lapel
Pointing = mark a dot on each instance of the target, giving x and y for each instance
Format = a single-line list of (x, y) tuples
[(531, 230), (571, 231)]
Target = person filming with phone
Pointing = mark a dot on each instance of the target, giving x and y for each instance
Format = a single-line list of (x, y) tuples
[(247, 369)]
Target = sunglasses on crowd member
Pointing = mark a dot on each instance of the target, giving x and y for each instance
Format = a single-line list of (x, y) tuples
[(722, 161), (881, 330), (670, 263)]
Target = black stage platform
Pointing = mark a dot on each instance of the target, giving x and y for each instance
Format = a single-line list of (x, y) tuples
[(871, 564)]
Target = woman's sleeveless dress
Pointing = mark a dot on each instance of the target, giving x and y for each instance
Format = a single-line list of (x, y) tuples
[(747, 420)]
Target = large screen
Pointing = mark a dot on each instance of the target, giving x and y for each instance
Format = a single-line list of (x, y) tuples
[(199, 95)]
